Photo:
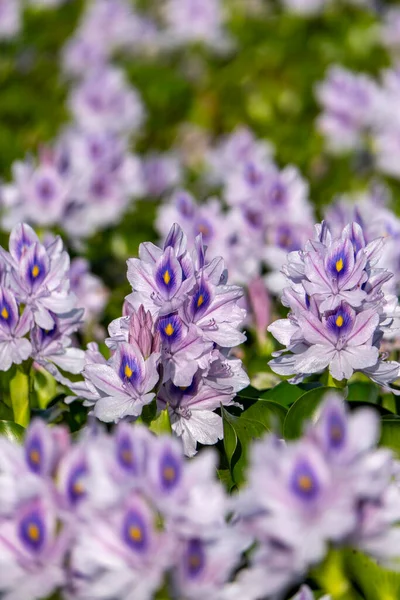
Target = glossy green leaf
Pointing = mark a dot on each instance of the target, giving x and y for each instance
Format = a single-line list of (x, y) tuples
[(246, 430), (271, 414), (162, 424), (303, 410), (12, 431), (284, 393), (390, 434), (363, 392), (375, 582)]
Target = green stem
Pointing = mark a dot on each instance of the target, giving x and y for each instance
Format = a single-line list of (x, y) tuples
[(19, 393)]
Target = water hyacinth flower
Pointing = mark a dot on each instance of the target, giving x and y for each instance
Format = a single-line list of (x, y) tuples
[(349, 102), (338, 309), (14, 347), (10, 18), (37, 309), (32, 552), (89, 290), (125, 384), (179, 324), (38, 275), (305, 494), (191, 21), (104, 101)]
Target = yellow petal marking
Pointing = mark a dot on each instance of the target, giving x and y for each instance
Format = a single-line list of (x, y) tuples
[(339, 265), (169, 330), (339, 321)]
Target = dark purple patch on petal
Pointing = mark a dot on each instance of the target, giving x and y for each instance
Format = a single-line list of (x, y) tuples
[(129, 368), (286, 239), (8, 310), (32, 530), (336, 429), (277, 194), (125, 453), (170, 328), (45, 189), (304, 481), (170, 471), (339, 263), (166, 277), (34, 453), (135, 531), (185, 205), (76, 489), (340, 322), (204, 227), (201, 300), (195, 558)]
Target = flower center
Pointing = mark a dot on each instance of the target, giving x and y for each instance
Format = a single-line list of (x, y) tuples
[(339, 321), (169, 330), (200, 300), (167, 277), (305, 483), (33, 532), (4, 313), (34, 455), (128, 371), (339, 265), (35, 271), (135, 533)]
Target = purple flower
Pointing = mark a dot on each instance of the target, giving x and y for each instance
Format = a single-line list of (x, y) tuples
[(121, 553), (89, 290), (44, 447), (104, 101), (14, 347), (10, 18), (125, 384), (194, 21), (349, 102), (38, 275), (339, 311), (32, 552)]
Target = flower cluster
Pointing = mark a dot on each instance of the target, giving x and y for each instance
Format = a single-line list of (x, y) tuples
[(338, 309), (331, 486), (374, 201), (362, 114), (179, 325), (89, 177), (35, 299), (125, 515), (268, 214), (110, 516)]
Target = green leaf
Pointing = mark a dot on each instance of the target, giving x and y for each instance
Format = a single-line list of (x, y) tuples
[(162, 424), (375, 582), (12, 431), (390, 434), (230, 439), (245, 430), (363, 392), (302, 410), (271, 414), (19, 392), (284, 393)]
